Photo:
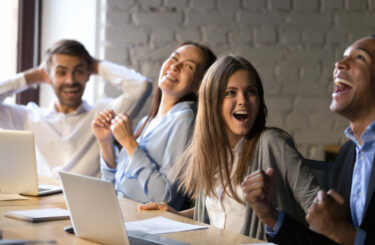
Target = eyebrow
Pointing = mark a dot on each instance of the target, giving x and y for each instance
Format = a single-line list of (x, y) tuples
[(364, 50), (178, 54), (75, 67)]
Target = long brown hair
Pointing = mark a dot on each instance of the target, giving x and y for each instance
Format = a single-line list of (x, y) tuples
[(209, 58), (209, 150)]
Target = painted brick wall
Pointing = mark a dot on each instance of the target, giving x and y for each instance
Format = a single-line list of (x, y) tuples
[(292, 43)]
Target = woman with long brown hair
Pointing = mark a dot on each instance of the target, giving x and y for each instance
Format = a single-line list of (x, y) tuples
[(140, 170), (231, 141)]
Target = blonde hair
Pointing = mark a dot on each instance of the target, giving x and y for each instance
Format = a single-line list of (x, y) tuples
[(209, 150)]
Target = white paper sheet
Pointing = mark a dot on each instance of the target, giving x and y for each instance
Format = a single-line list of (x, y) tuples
[(159, 225), (9, 197)]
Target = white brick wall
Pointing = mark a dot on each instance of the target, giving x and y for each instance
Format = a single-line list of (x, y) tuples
[(292, 43)]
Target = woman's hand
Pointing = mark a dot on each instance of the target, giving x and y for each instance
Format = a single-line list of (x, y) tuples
[(101, 126), (121, 127), (162, 206), (102, 131)]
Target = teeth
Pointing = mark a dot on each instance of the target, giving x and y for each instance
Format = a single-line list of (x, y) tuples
[(241, 112), (170, 77), (339, 81), (71, 90)]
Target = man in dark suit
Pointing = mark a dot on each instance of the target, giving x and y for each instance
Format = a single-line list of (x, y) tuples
[(346, 213)]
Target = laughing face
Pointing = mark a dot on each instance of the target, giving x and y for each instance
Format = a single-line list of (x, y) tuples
[(68, 75), (181, 73), (240, 105), (354, 80)]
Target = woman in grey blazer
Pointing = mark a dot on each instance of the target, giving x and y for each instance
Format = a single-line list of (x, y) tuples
[(231, 141)]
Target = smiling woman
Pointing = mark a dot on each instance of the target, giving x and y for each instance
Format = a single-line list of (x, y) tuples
[(140, 170), (231, 143)]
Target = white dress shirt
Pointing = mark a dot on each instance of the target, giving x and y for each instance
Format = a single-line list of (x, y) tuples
[(66, 141), (223, 211)]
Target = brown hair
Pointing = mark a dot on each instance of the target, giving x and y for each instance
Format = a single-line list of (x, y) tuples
[(209, 59), (209, 150), (68, 47)]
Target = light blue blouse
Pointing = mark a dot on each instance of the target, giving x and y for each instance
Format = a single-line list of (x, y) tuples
[(143, 176)]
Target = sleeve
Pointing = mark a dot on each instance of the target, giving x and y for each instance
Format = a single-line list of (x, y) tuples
[(280, 219), (108, 173), (294, 232), (360, 237), (296, 173), (152, 178), (135, 87), (12, 116), (12, 86)]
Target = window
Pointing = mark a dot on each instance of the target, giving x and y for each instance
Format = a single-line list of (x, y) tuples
[(8, 41)]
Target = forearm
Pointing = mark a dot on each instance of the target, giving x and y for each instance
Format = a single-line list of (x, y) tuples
[(35, 76), (108, 154), (129, 145), (188, 213), (134, 86)]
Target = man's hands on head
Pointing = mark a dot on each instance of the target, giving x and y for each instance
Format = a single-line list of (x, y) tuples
[(259, 189), (37, 75), (94, 69), (328, 216)]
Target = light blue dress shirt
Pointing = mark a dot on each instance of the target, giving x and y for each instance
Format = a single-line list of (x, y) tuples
[(143, 176), (361, 176)]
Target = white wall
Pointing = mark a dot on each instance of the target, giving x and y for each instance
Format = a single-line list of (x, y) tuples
[(70, 19)]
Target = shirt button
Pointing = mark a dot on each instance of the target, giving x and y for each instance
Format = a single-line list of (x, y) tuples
[(360, 194), (362, 158)]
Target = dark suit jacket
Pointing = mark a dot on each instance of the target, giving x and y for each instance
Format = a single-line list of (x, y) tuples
[(293, 232)]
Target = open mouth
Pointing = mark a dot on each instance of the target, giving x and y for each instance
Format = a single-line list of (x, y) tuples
[(72, 91), (241, 115), (342, 85)]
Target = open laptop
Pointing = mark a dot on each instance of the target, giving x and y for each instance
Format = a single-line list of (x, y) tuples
[(96, 215), (18, 172)]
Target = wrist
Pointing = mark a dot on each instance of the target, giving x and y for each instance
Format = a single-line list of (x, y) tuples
[(344, 234), (270, 217), (130, 145)]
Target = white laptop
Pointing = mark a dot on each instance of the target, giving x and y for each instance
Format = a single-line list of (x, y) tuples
[(96, 215), (18, 172)]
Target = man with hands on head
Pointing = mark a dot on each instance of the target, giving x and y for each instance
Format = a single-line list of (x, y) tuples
[(346, 213), (63, 136)]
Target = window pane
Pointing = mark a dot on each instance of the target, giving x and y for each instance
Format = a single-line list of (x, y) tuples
[(8, 40)]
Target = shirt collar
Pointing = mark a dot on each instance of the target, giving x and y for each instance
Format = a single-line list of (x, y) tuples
[(367, 136), (238, 147), (84, 107)]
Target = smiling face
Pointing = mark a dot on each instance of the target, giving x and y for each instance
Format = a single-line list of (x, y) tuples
[(354, 80), (181, 73), (240, 105), (68, 75)]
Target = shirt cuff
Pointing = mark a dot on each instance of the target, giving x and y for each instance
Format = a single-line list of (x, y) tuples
[(280, 220), (360, 237)]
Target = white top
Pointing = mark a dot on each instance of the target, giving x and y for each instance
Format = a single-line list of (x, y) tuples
[(66, 141), (225, 212)]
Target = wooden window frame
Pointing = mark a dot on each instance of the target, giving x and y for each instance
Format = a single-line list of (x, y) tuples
[(28, 46)]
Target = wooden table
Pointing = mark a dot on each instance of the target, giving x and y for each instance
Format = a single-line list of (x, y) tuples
[(54, 230)]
